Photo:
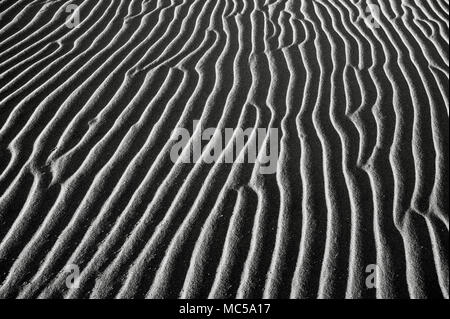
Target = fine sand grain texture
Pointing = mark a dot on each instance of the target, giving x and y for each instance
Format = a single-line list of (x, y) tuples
[(358, 94)]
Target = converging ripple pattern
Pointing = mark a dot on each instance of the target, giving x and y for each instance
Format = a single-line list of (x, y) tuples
[(86, 120)]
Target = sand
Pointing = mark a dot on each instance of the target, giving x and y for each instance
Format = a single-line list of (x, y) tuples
[(360, 101)]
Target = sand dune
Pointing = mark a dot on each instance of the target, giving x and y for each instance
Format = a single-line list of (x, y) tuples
[(360, 101)]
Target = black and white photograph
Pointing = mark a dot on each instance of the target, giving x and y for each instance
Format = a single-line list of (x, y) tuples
[(242, 151)]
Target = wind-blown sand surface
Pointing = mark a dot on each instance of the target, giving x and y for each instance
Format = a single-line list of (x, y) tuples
[(86, 179)]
